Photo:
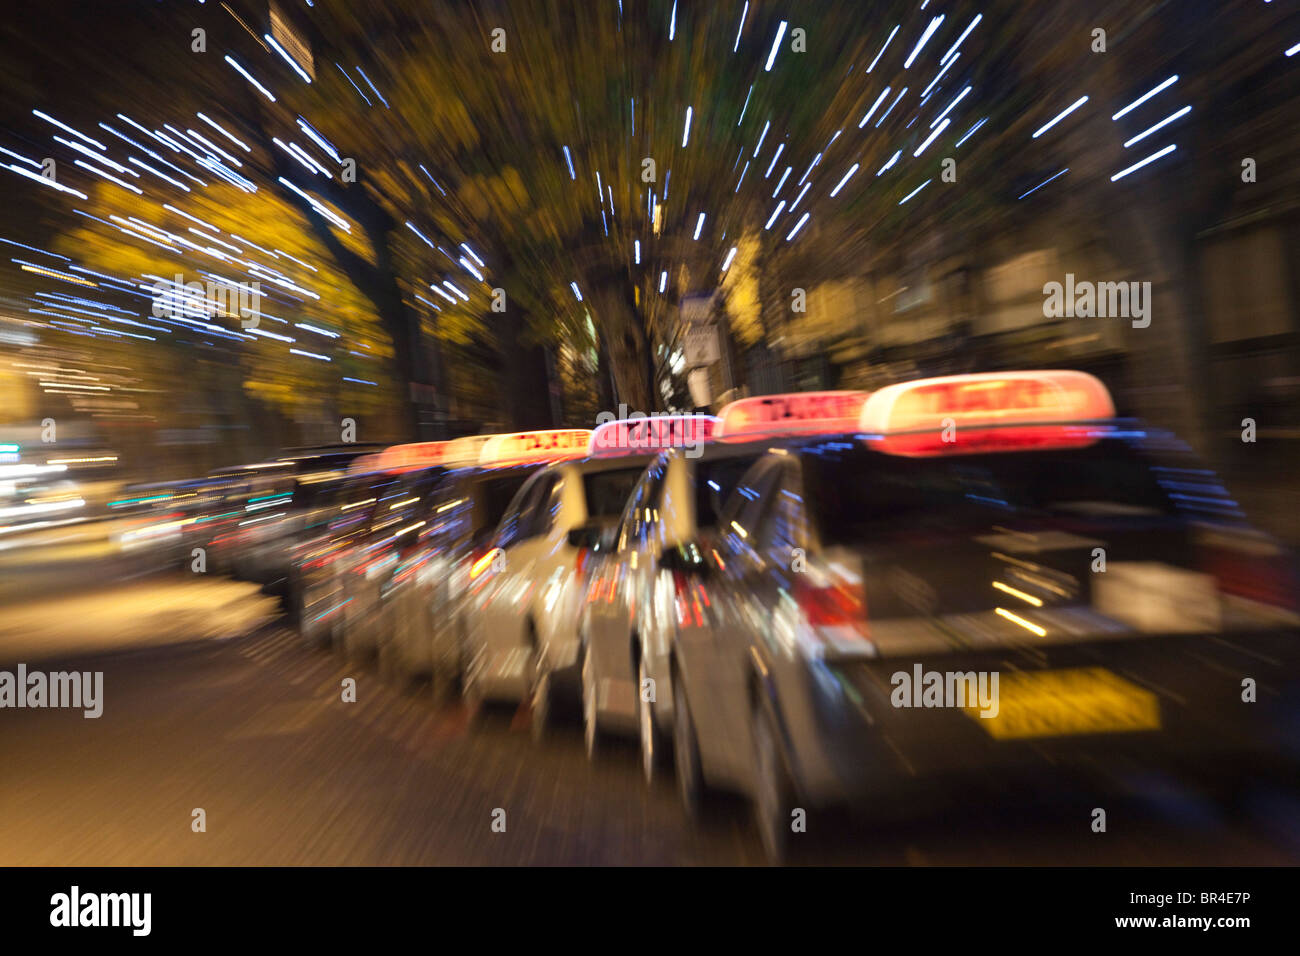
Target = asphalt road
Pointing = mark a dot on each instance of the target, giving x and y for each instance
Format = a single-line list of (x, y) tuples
[(220, 707)]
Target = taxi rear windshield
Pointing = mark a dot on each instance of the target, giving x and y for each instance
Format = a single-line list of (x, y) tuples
[(856, 493), (608, 491), (714, 481), (317, 494), (495, 494)]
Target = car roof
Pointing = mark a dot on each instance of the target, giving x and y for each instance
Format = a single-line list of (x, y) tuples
[(591, 466), (715, 450), (1126, 430), (318, 451), (471, 473)]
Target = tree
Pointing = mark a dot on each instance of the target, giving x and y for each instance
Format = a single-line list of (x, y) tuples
[(314, 308)]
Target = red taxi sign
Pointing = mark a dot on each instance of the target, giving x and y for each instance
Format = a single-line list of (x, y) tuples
[(548, 445), (797, 413), (649, 434), (425, 454), (464, 451), (398, 458), (957, 413), (363, 464)]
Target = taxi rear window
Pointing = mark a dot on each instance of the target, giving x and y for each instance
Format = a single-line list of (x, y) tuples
[(607, 491), (856, 493), (714, 482), (495, 495), (316, 494)]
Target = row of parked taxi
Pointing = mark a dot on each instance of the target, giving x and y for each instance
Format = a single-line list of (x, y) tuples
[(819, 598)]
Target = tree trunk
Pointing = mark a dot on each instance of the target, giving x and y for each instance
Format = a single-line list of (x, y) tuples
[(412, 361), (624, 340), (524, 381)]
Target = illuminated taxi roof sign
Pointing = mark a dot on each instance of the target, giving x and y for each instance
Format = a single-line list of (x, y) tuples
[(551, 444), (424, 454), (465, 451), (987, 412), (398, 458), (797, 413), (363, 464), (649, 434), (993, 398)]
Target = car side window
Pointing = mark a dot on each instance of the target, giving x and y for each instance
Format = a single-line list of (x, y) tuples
[(548, 506), (760, 514), (780, 524), (629, 525), (744, 508), (535, 512), (627, 520), (732, 505), (514, 523), (648, 513)]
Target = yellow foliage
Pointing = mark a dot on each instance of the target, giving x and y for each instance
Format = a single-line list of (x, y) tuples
[(271, 235), (744, 306)]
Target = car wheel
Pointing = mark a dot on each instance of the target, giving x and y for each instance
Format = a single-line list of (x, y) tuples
[(300, 617), (447, 669), (471, 694), (313, 630), (441, 684), (348, 642), (472, 699), (653, 742), (417, 631), (343, 629), (590, 720), (391, 661), (541, 706), (686, 754), (292, 601), (358, 634), (773, 795)]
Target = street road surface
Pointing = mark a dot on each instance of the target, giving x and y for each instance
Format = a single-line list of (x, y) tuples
[(211, 702)]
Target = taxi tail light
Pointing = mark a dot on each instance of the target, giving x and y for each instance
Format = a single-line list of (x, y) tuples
[(580, 562), (480, 561), (470, 561), (690, 612), (1267, 579), (836, 605)]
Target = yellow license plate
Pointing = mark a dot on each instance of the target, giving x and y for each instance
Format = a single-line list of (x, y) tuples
[(1089, 700)]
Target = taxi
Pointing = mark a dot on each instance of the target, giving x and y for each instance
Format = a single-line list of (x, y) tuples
[(286, 494), (626, 681), (526, 590), (426, 593), (237, 500), (991, 574), (339, 572), (395, 519), (275, 522)]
